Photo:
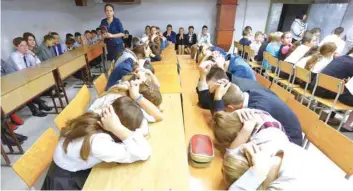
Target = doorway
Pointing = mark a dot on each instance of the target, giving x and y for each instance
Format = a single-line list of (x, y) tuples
[(288, 14)]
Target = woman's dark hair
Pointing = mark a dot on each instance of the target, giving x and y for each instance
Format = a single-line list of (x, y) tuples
[(16, 41), (350, 52), (109, 5), (77, 34), (26, 35), (48, 37), (191, 27), (204, 27), (315, 30), (338, 31), (300, 16), (248, 28), (69, 35), (169, 25)]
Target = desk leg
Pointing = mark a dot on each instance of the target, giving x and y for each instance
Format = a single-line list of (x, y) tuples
[(88, 71), (59, 83), (52, 98), (4, 155), (6, 141), (14, 137)]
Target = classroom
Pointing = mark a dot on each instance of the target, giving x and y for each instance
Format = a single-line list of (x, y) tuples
[(176, 95)]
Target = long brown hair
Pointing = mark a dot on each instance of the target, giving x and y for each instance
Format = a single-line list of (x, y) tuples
[(148, 89), (324, 49), (87, 124)]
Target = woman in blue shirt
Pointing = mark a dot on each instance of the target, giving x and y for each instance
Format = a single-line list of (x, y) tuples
[(113, 33)]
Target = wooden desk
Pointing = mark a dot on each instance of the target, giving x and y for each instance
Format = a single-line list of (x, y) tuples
[(20, 87), (166, 169), (168, 78), (197, 121)]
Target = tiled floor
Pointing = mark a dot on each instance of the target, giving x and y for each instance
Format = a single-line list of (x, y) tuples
[(35, 126)]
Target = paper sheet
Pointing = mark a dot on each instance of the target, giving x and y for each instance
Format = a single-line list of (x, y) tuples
[(349, 86)]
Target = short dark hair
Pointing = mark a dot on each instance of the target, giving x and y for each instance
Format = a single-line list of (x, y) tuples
[(69, 35), (48, 37), (338, 31), (147, 26), (158, 28), (16, 41), (204, 27), (26, 35), (70, 41), (77, 34), (191, 27), (153, 27), (307, 37), (54, 33), (315, 30), (109, 5), (246, 32), (169, 25), (126, 32), (98, 29), (248, 28), (216, 73), (94, 31), (87, 31)]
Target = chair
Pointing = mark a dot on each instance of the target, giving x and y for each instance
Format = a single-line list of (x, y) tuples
[(280, 92), (251, 56), (100, 83), (288, 69), (262, 80), (307, 118), (236, 46), (76, 108), (334, 145), (305, 76), (334, 85), (33, 163), (273, 62)]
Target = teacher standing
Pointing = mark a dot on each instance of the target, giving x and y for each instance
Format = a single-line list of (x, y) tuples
[(113, 34)]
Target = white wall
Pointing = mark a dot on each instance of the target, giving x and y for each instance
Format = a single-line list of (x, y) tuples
[(62, 16), (253, 13)]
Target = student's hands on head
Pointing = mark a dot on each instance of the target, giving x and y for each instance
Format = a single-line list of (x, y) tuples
[(222, 87), (110, 121), (205, 67), (257, 158), (134, 89), (250, 119)]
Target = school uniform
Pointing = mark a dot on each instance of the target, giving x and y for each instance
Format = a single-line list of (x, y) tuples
[(204, 39), (45, 52), (59, 49), (206, 98), (239, 68), (341, 68), (299, 169), (114, 45), (171, 37), (191, 39), (180, 42), (245, 41), (127, 53), (119, 71), (69, 171), (262, 100)]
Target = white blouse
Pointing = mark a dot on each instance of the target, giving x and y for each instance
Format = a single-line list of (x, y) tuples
[(103, 149), (321, 64)]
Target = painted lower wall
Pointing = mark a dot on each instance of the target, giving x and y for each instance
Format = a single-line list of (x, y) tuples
[(62, 16)]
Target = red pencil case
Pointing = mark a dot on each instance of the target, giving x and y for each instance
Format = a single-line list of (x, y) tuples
[(201, 149)]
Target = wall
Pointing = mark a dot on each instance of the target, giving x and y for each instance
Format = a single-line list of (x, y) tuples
[(250, 12), (62, 16)]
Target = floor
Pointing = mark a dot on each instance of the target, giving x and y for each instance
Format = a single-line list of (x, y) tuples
[(35, 126)]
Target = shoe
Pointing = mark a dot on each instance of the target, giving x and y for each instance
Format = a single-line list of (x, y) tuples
[(16, 119), (13, 127), (331, 121), (43, 106), (36, 112), (10, 141), (20, 137), (344, 130)]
